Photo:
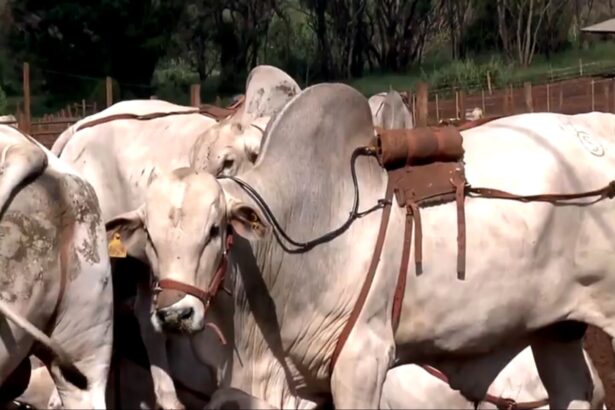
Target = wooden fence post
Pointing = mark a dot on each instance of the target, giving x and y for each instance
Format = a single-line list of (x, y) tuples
[(109, 91), (506, 101), (548, 97), (561, 97), (456, 103), (408, 101), (26, 98), (437, 109), (422, 96), (482, 96), (529, 103), (462, 105), (607, 97), (489, 83), (195, 95), (513, 108), (593, 94)]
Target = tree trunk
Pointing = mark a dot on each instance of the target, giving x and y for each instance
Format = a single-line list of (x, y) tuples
[(233, 63), (321, 35)]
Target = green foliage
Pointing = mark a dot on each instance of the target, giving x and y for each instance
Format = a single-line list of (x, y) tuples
[(162, 46), (469, 74), (291, 46), (121, 38), (172, 80)]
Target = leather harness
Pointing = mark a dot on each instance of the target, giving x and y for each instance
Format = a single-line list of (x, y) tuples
[(425, 168)]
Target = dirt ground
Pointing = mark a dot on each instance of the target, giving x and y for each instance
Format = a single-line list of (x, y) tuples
[(598, 345)]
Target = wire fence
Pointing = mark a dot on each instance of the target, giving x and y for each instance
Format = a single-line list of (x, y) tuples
[(582, 88)]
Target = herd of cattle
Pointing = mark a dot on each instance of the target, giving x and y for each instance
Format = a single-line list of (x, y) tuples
[(204, 228)]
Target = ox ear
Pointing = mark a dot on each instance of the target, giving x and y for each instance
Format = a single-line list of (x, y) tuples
[(247, 221), (130, 228)]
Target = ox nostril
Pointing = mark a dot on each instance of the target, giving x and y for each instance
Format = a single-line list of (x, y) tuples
[(186, 313), (161, 314)]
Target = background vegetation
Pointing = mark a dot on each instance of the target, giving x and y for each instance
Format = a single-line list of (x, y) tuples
[(160, 47)]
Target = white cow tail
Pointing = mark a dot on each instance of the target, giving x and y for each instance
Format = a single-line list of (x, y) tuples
[(68, 369)]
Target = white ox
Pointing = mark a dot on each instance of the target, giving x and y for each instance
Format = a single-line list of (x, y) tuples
[(121, 157), (534, 270), (56, 275), (389, 111)]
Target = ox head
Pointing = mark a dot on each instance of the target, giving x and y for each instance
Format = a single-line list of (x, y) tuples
[(233, 144), (184, 232), (229, 147)]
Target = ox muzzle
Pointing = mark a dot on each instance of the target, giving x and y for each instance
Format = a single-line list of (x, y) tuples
[(167, 292)]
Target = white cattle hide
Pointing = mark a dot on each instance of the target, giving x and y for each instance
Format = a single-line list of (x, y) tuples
[(51, 233), (528, 281), (122, 158)]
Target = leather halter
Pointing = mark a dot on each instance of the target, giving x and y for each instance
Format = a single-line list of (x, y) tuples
[(502, 403), (205, 296)]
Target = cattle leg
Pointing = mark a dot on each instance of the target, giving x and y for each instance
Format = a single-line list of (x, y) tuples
[(84, 328), (40, 390), (155, 345), (360, 371), (565, 374)]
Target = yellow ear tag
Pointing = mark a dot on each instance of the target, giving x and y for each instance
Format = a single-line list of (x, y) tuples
[(116, 247)]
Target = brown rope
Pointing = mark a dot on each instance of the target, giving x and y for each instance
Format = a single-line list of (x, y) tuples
[(607, 191)]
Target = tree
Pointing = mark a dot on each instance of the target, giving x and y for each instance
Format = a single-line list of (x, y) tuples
[(402, 30), (3, 102), (240, 25), (121, 38), (553, 36), (195, 35), (317, 10), (459, 14), (519, 22)]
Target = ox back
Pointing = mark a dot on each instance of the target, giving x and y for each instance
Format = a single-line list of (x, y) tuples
[(425, 167)]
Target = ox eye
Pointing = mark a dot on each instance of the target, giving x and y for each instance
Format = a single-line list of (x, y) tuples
[(213, 232)]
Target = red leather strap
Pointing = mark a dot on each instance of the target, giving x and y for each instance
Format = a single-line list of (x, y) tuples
[(214, 286), (171, 284), (354, 315), (400, 288), (502, 403)]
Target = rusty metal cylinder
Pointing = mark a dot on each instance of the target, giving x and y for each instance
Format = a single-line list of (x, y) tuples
[(401, 147)]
